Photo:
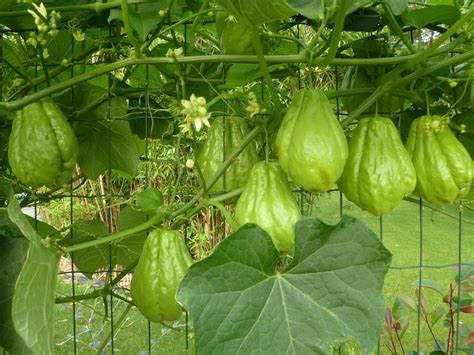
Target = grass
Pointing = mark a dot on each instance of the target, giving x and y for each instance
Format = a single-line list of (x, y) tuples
[(400, 233)]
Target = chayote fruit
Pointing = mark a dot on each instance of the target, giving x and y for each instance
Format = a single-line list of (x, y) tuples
[(161, 267), (42, 148), (311, 145), (358, 77), (268, 201), (224, 135), (443, 166), (378, 171)]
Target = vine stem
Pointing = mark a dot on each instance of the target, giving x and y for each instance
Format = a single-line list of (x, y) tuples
[(228, 218), (97, 6), (336, 33), (400, 341), (159, 218), (266, 74), (396, 27), (293, 58), (116, 328), (129, 29), (428, 324), (383, 89)]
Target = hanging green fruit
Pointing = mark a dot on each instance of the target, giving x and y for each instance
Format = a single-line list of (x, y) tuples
[(378, 171), (42, 148), (443, 166), (358, 77), (161, 267), (269, 202), (311, 145), (225, 134)]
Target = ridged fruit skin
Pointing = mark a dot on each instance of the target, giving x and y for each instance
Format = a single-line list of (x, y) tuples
[(268, 201), (161, 267), (42, 147), (356, 77), (443, 166), (227, 132), (378, 171), (311, 145)]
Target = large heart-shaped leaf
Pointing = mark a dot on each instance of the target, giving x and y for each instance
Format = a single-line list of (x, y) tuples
[(27, 284), (332, 290), (103, 146)]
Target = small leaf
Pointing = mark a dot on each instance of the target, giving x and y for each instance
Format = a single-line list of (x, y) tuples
[(124, 252), (431, 15), (149, 200), (467, 309), (129, 249), (466, 300), (407, 301), (421, 298), (403, 322), (436, 314), (97, 257), (429, 284), (332, 290), (397, 6)]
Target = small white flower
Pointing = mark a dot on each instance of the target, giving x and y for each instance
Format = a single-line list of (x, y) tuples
[(195, 113), (41, 9), (79, 36), (32, 42), (253, 106)]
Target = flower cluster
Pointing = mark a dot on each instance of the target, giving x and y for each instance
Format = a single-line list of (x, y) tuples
[(46, 25), (253, 106), (195, 113), (436, 126)]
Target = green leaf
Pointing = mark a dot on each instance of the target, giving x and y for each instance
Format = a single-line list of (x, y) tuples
[(125, 252), (97, 139), (90, 259), (407, 301), (12, 256), (429, 284), (332, 290), (431, 15), (59, 47), (15, 54), (436, 314), (264, 11), (129, 249), (258, 12), (144, 17), (149, 200), (397, 6), (28, 285)]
